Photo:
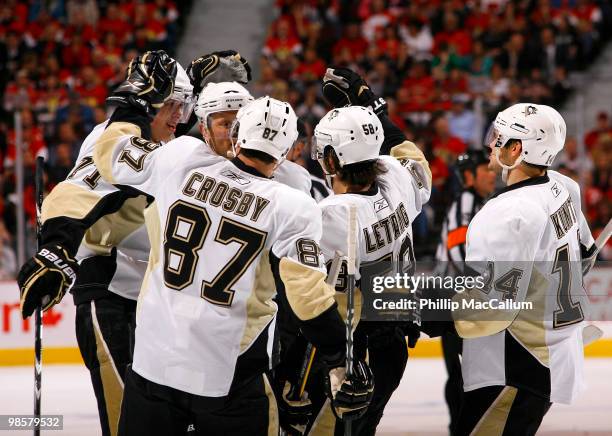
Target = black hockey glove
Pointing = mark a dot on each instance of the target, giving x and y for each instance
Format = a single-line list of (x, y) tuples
[(294, 414), (44, 279), (344, 87), (350, 396), (149, 83), (219, 66)]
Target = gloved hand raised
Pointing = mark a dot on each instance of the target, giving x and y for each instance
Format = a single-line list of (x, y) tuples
[(149, 83)]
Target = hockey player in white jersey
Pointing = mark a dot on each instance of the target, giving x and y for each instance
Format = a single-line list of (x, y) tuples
[(221, 235), (112, 256), (526, 241), (388, 192), (216, 110)]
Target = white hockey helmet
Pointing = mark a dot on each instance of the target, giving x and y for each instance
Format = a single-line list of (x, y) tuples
[(266, 125), (183, 93), (221, 97), (540, 128), (354, 132)]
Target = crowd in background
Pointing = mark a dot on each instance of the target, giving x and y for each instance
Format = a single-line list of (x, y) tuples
[(445, 68), (58, 61)]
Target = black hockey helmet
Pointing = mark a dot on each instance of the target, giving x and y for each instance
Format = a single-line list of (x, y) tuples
[(469, 161)]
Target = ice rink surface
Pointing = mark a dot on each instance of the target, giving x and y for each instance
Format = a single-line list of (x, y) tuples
[(417, 408)]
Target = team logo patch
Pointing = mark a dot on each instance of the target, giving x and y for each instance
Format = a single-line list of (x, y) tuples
[(380, 205), (415, 174), (555, 190), (531, 110), (235, 177)]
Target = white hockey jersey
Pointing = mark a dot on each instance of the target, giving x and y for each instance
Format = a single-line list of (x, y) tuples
[(217, 229), (293, 175), (82, 195), (384, 213), (528, 236)]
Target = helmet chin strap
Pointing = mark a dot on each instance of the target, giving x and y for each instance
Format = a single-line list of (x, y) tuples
[(506, 168)]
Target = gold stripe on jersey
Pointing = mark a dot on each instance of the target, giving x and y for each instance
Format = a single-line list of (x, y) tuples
[(528, 328), (112, 384), (61, 202), (153, 225), (105, 146), (475, 323), (494, 419), (111, 229), (273, 424), (325, 421), (307, 293), (259, 306), (408, 150)]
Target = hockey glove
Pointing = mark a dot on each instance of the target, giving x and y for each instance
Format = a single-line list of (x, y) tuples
[(44, 279), (219, 66), (344, 87), (350, 396), (149, 83), (294, 414)]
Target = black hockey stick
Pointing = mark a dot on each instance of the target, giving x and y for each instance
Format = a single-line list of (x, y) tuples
[(38, 181), (351, 256)]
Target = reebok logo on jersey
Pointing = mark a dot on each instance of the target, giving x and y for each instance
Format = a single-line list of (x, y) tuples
[(555, 190), (55, 260), (235, 177), (380, 205)]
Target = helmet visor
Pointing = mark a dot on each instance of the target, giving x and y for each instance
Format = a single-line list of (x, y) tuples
[(493, 138), (184, 105)]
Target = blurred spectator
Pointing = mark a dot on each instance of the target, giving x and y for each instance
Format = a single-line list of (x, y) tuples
[(462, 121), (61, 163), (352, 44), (444, 143), (418, 39), (377, 17), (602, 127), (21, 93), (32, 136), (570, 159), (282, 42), (312, 68)]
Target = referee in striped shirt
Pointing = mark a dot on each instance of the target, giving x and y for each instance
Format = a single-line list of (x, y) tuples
[(478, 183)]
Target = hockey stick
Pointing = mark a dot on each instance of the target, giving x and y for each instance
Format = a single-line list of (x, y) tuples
[(351, 256), (332, 277), (591, 332), (38, 182), (603, 237)]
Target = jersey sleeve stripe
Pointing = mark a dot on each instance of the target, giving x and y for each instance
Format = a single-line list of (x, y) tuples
[(104, 148)]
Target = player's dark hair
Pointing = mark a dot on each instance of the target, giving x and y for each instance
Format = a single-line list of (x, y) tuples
[(360, 174), (256, 154), (539, 167)]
